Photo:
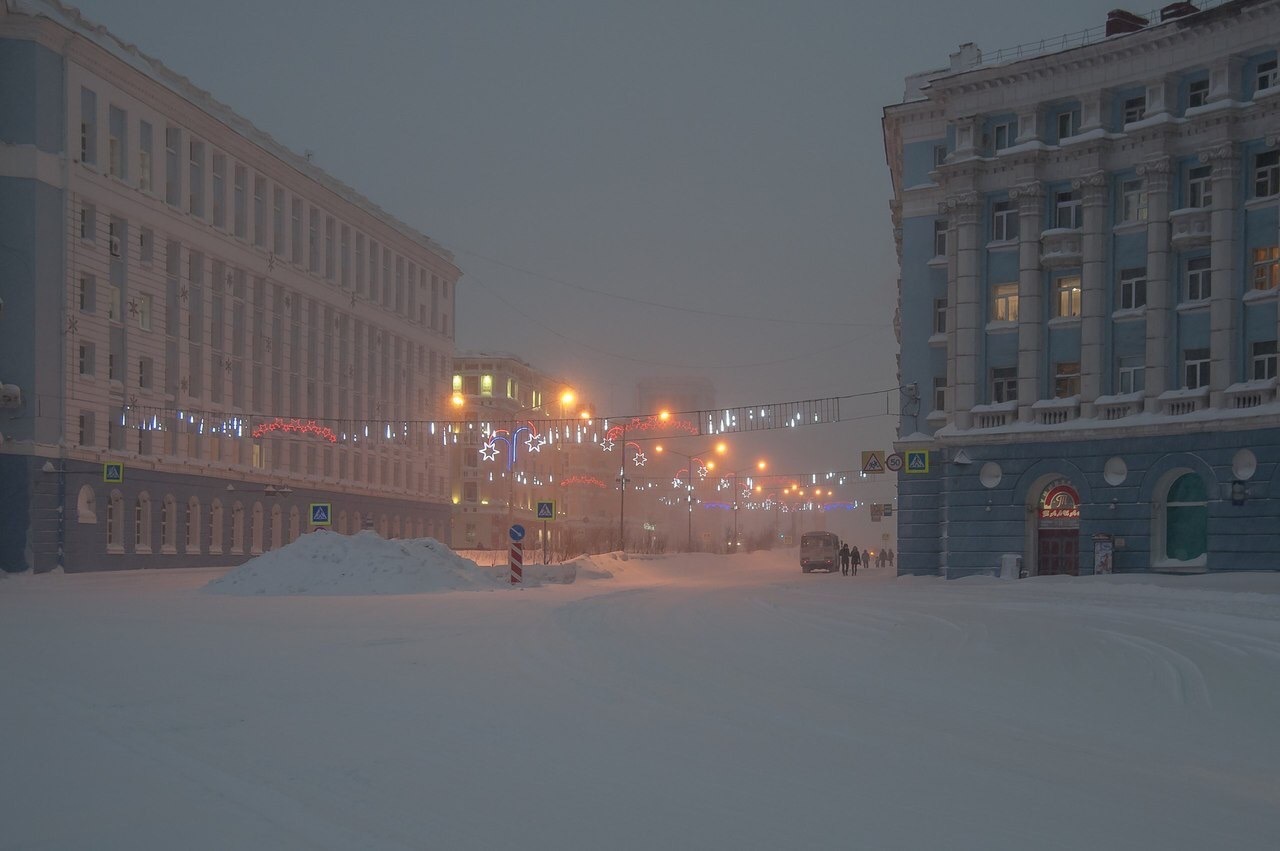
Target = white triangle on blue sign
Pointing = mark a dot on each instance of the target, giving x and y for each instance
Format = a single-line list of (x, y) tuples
[(915, 461), (319, 514)]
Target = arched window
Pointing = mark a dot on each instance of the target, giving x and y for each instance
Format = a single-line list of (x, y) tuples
[(255, 537), (87, 505), (215, 528), (237, 529), (169, 524), (277, 526), (294, 522), (193, 525), (115, 522), (1180, 527), (142, 523)]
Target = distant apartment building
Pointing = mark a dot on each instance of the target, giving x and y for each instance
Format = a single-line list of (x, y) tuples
[(1090, 261), (528, 438), (203, 335)]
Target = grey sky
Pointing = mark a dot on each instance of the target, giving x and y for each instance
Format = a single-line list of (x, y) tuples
[(720, 157)]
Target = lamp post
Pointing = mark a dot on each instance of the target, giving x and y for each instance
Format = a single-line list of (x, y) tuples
[(719, 448)]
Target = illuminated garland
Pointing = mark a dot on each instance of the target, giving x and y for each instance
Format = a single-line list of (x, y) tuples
[(298, 426), (582, 480), (650, 423)]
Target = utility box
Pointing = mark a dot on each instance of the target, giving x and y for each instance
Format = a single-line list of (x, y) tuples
[(1011, 566)]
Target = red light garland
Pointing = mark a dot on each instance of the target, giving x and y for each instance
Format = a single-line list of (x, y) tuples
[(299, 426)]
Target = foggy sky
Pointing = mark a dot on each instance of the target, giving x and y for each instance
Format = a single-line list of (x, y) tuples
[(721, 157)]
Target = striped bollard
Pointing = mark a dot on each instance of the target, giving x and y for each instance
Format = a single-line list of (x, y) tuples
[(517, 562)]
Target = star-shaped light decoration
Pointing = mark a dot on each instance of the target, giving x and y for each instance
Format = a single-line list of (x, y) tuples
[(186, 382), (606, 445), (489, 451), (73, 325), (226, 364), (677, 483), (133, 401), (535, 442), (133, 307), (353, 299), (267, 340), (702, 472), (183, 292), (639, 459), (271, 261)]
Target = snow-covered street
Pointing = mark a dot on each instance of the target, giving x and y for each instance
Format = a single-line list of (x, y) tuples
[(676, 702)]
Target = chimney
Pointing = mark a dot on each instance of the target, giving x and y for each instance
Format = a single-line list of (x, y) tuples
[(1121, 21), (1177, 10)]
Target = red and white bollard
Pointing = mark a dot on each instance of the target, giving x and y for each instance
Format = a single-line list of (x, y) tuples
[(517, 562)]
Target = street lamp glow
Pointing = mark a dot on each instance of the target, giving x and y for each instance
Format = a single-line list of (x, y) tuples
[(567, 397), (664, 416), (457, 400)]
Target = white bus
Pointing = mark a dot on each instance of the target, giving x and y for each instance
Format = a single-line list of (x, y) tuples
[(820, 551)]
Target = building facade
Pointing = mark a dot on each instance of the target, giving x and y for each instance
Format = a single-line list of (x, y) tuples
[(202, 333), (1090, 259)]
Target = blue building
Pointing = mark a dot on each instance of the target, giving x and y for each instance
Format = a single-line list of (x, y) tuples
[(1089, 244), (202, 334)]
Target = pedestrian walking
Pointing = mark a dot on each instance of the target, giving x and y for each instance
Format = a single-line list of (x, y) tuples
[(853, 556), (844, 559), (866, 558), (889, 555)]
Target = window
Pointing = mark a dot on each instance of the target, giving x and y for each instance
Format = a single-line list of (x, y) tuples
[(313, 241), (196, 181), (1200, 186), (1004, 221), (1195, 368), (87, 436), (146, 245), (939, 316), (1004, 384), (1198, 279), (259, 211), (486, 385), (86, 293), (143, 306), (1068, 123), (145, 143), (1264, 360), (1067, 210), (146, 372), (939, 155), (220, 190), (939, 393), (1266, 174), (940, 239), (1003, 135), (1197, 93), (1133, 288), (295, 229), (88, 222), (1004, 303), (277, 221), (1133, 200), (112, 374), (117, 143), (1066, 379), (470, 492), (1131, 375), (1135, 109), (114, 307), (172, 166), (1268, 77), (85, 359), (1067, 295), (88, 127), (1266, 267), (1186, 519), (240, 201)]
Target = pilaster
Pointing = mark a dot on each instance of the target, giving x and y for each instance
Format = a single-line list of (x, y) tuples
[(1093, 286), (1161, 280), (1224, 303), (1029, 197), (965, 213)]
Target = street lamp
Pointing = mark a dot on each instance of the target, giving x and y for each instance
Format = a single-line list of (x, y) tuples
[(719, 448)]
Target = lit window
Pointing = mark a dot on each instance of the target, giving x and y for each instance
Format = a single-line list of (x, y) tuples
[(1067, 296), (1133, 288), (1066, 379), (1004, 303), (1266, 267), (486, 385)]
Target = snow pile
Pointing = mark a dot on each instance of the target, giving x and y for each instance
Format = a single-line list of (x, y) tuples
[(325, 563)]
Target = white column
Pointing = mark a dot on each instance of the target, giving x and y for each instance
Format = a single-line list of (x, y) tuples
[(1224, 304), (966, 213), (1030, 200), (1162, 281), (1093, 285)]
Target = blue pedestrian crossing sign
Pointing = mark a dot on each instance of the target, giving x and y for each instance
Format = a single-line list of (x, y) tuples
[(547, 509), (320, 514), (917, 460), (112, 472)]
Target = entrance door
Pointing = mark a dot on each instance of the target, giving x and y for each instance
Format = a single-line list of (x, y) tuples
[(1058, 552)]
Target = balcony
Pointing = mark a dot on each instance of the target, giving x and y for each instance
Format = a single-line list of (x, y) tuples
[(1190, 228), (1250, 394), (995, 415), (1118, 407), (1060, 247), (1176, 403), (1056, 411)]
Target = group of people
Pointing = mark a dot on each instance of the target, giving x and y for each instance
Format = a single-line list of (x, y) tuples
[(850, 559)]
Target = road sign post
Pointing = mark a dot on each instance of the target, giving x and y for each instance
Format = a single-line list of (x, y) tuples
[(516, 560)]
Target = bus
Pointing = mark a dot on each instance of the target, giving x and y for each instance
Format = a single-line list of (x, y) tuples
[(820, 551)]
